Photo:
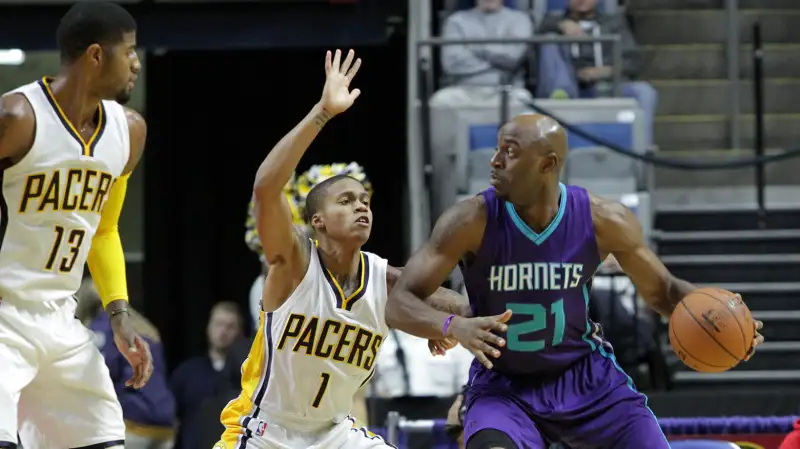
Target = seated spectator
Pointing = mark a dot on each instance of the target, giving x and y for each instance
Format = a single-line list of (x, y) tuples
[(198, 378), (454, 426), (149, 412), (415, 384), (475, 72), (584, 70)]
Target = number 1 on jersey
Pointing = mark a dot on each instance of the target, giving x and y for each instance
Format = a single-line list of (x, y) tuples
[(538, 322), (323, 387), (74, 240)]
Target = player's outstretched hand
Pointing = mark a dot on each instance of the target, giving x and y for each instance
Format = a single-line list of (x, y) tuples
[(135, 350), (757, 338), (440, 347), (336, 95), (476, 335)]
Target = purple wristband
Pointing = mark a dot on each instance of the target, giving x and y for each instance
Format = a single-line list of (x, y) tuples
[(447, 324)]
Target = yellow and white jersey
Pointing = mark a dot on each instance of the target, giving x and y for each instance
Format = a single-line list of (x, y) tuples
[(313, 354), (51, 200)]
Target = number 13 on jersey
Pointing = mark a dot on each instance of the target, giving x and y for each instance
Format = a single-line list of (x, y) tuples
[(74, 240), (537, 322)]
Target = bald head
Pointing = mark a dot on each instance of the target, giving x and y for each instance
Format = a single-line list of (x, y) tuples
[(531, 151), (539, 133)]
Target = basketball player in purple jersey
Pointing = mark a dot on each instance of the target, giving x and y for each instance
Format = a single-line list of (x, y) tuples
[(530, 246)]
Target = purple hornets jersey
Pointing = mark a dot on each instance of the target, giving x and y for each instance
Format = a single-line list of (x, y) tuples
[(542, 278)]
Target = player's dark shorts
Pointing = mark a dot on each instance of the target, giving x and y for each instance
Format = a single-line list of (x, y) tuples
[(592, 404)]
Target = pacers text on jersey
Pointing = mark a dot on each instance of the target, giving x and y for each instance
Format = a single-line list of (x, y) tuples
[(331, 339), (66, 190)]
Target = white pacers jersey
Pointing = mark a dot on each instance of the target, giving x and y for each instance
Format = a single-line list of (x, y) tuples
[(314, 353), (51, 200)]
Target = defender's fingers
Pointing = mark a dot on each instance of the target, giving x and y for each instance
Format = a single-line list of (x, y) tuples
[(337, 60), (348, 60), (353, 70)]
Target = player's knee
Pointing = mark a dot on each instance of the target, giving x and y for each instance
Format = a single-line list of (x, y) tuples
[(491, 439)]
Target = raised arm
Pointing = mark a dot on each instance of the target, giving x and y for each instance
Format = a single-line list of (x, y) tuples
[(619, 233), (457, 234), (285, 249)]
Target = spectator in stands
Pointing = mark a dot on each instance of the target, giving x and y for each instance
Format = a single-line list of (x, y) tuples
[(149, 412), (198, 378), (454, 426), (584, 70), (475, 72), (415, 384), (792, 440)]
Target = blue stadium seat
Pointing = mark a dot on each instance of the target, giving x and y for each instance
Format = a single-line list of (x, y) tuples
[(702, 444), (558, 5), (561, 5), (485, 136), (467, 4)]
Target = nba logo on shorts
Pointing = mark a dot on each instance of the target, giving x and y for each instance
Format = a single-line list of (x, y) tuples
[(262, 427)]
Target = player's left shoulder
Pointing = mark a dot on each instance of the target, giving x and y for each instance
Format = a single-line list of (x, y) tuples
[(611, 214), (136, 123), (137, 126)]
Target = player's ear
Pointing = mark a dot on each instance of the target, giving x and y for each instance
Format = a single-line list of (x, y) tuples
[(317, 223), (95, 55), (550, 163)]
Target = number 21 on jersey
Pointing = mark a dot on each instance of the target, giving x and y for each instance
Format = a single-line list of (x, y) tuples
[(537, 322), (72, 239)]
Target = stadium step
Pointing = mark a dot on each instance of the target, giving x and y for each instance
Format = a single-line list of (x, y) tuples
[(699, 26), (687, 132), (789, 378), (783, 173), (709, 61), (773, 241), (735, 267), (780, 326), (711, 96), (766, 296), (726, 399), (770, 356), (710, 4), (723, 220)]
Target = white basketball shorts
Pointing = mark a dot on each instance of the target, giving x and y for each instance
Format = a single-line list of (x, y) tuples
[(257, 434), (55, 388)]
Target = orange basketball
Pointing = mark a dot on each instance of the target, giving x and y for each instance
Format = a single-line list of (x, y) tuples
[(711, 330)]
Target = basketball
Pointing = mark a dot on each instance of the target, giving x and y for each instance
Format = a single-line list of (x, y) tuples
[(711, 330)]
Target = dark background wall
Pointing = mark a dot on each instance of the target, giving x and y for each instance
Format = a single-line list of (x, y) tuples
[(213, 117)]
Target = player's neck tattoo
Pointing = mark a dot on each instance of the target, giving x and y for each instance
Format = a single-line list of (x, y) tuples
[(322, 118)]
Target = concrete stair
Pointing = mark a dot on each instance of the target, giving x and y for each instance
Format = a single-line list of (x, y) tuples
[(684, 56), (725, 249)]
